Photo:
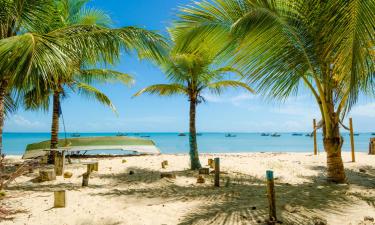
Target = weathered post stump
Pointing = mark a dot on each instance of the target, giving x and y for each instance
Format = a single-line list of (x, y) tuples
[(124, 161), (372, 146), (200, 180), (47, 175), (210, 163), (68, 174), (96, 166), (162, 165), (165, 162), (271, 196), (217, 172), (85, 179), (59, 163), (204, 171), (90, 167), (60, 199)]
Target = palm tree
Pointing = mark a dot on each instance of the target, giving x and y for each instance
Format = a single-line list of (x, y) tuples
[(190, 74), (325, 46), (38, 47)]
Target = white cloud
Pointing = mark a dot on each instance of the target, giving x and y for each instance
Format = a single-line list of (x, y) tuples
[(21, 121), (367, 110)]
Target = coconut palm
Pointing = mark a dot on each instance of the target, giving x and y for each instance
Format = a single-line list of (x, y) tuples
[(190, 74), (325, 46), (39, 45)]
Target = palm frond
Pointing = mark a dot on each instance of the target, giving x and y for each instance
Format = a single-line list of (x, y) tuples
[(90, 76), (93, 93), (163, 90), (220, 86)]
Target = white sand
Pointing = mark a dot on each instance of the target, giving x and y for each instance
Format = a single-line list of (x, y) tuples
[(115, 197)]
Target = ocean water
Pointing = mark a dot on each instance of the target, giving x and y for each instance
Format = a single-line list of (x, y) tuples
[(15, 143)]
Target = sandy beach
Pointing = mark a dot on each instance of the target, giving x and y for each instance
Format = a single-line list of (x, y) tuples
[(116, 197)]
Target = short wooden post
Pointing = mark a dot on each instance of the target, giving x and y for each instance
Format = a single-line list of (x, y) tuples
[(352, 138), (59, 163), (315, 142), (85, 179), (371, 150), (96, 166), (211, 163), (60, 199), (90, 167), (165, 162), (217, 172), (271, 196)]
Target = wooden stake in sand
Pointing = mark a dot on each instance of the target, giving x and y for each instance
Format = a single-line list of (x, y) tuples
[(315, 142), (211, 163), (351, 138), (371, 149), (60, 199), (271, 196), (217, 172), (59, 162), (85, 179)]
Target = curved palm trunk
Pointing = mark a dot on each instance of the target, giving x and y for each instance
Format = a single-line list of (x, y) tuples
[(54, 126), (194, 156), (332, 144), (3, 86)]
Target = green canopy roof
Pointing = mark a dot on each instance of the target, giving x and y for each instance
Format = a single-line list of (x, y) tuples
[(94, 143)]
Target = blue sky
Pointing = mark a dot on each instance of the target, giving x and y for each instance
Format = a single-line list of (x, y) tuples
[(234, 111)]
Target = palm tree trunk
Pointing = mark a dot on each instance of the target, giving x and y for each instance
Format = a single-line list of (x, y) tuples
[(54, 126), (194, 156), (3, 85), (332, 144)]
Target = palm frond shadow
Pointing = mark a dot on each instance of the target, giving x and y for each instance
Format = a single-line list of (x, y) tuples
[(241, 199)]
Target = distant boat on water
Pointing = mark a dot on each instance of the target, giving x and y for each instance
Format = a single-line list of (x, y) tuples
[(309, 135), (145, 136), (181, 134), (199, 134), (264, 134), (373, 134), (297, 134), (230, 135), (119, 134), (76, 135), (275, 135)]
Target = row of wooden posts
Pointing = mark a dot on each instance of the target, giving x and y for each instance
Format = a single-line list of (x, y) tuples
[(351, 138)]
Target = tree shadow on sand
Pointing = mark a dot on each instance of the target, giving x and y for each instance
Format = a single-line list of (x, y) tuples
[(242, 198)]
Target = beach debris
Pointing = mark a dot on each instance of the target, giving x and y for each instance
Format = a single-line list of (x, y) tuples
[(204, 171), (60, 199), (131, 172), (291, 209), (124, 161), (168, 175), (217, 172), (200, 180), (253, 208), (361, 170), (46, 175), (368, 218), (318, 221), (85, 179), (68, 174)]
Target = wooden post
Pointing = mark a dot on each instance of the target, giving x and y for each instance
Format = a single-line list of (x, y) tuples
[(85, 179), (315, 142), (371, 150), (96, 166), (271, 196), (59, 163), (351, 138), (90, 167), (211, 163), (60, 199), (217, 172)]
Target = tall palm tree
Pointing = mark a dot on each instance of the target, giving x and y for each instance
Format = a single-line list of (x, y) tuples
[(37, 47), (190, 74), (325, 46)]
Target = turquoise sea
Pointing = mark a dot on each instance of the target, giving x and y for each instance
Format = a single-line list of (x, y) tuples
[(15, 143)]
